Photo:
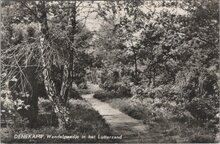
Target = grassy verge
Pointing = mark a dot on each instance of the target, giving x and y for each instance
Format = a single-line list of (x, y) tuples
[(85, 121), (171, 129)]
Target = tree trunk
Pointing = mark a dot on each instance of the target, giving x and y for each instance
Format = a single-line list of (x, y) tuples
[(68, 68), (55, 97), (58, 106), (154, 76), (150, 77), (33, 113), (135, 66)]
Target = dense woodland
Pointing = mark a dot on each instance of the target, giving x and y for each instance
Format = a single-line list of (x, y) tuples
[(156, 61)]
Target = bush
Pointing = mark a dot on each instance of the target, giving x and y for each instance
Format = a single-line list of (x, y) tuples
[(201, 109), (13, 113), (196, 138), (46, 116), (44, 105), (84, 121), (74, 94), (181, 129), (127, 106), (183, 116), (199, 93), (79, 104), (47, 119), (103, 96), (117, 91), (83, 85), (123, 91)]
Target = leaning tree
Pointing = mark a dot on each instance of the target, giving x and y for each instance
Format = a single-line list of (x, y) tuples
[(47, 46)]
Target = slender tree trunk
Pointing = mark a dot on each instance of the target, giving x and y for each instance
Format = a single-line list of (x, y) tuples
[(58, 105), (150, 77), (154, 76), (68, 68), (135, 66)]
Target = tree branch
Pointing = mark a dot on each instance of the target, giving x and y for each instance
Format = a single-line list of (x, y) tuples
[(32, 12)]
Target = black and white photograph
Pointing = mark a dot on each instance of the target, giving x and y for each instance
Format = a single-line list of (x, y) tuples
[(109, 71)]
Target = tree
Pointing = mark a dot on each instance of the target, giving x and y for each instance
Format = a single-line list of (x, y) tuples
[(56, 48), (167, 44)]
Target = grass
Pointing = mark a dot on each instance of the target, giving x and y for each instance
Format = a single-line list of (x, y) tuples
[(84, 121)]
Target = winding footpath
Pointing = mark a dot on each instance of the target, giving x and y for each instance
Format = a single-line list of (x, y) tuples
[(121, 124), (132, 130)]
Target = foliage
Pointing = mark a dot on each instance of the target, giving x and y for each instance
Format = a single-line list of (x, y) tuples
[(170, 49), (84, 121), (14, 111), (48, 38), (114, 91), (201, 139), (162, 55), (161, 122), (74, 94)]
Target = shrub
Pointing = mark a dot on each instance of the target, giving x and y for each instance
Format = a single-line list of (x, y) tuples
[(177, 128), (6, 134), (19, 121), (74, 94), (79, 104), (127, 106), (196, 138), (13, 113), (201, 109), (106, 86), (117, 91), (44, 105), (183, 116), (47, 119), (103, 96), (84, 121), (199, 93), (46, 116), (123, 91), (83, 85)]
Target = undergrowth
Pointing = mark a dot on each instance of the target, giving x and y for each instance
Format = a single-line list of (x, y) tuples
[(163, 124), (84, 121)]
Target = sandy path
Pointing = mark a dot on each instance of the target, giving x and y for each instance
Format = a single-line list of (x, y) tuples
[(132, 130)]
